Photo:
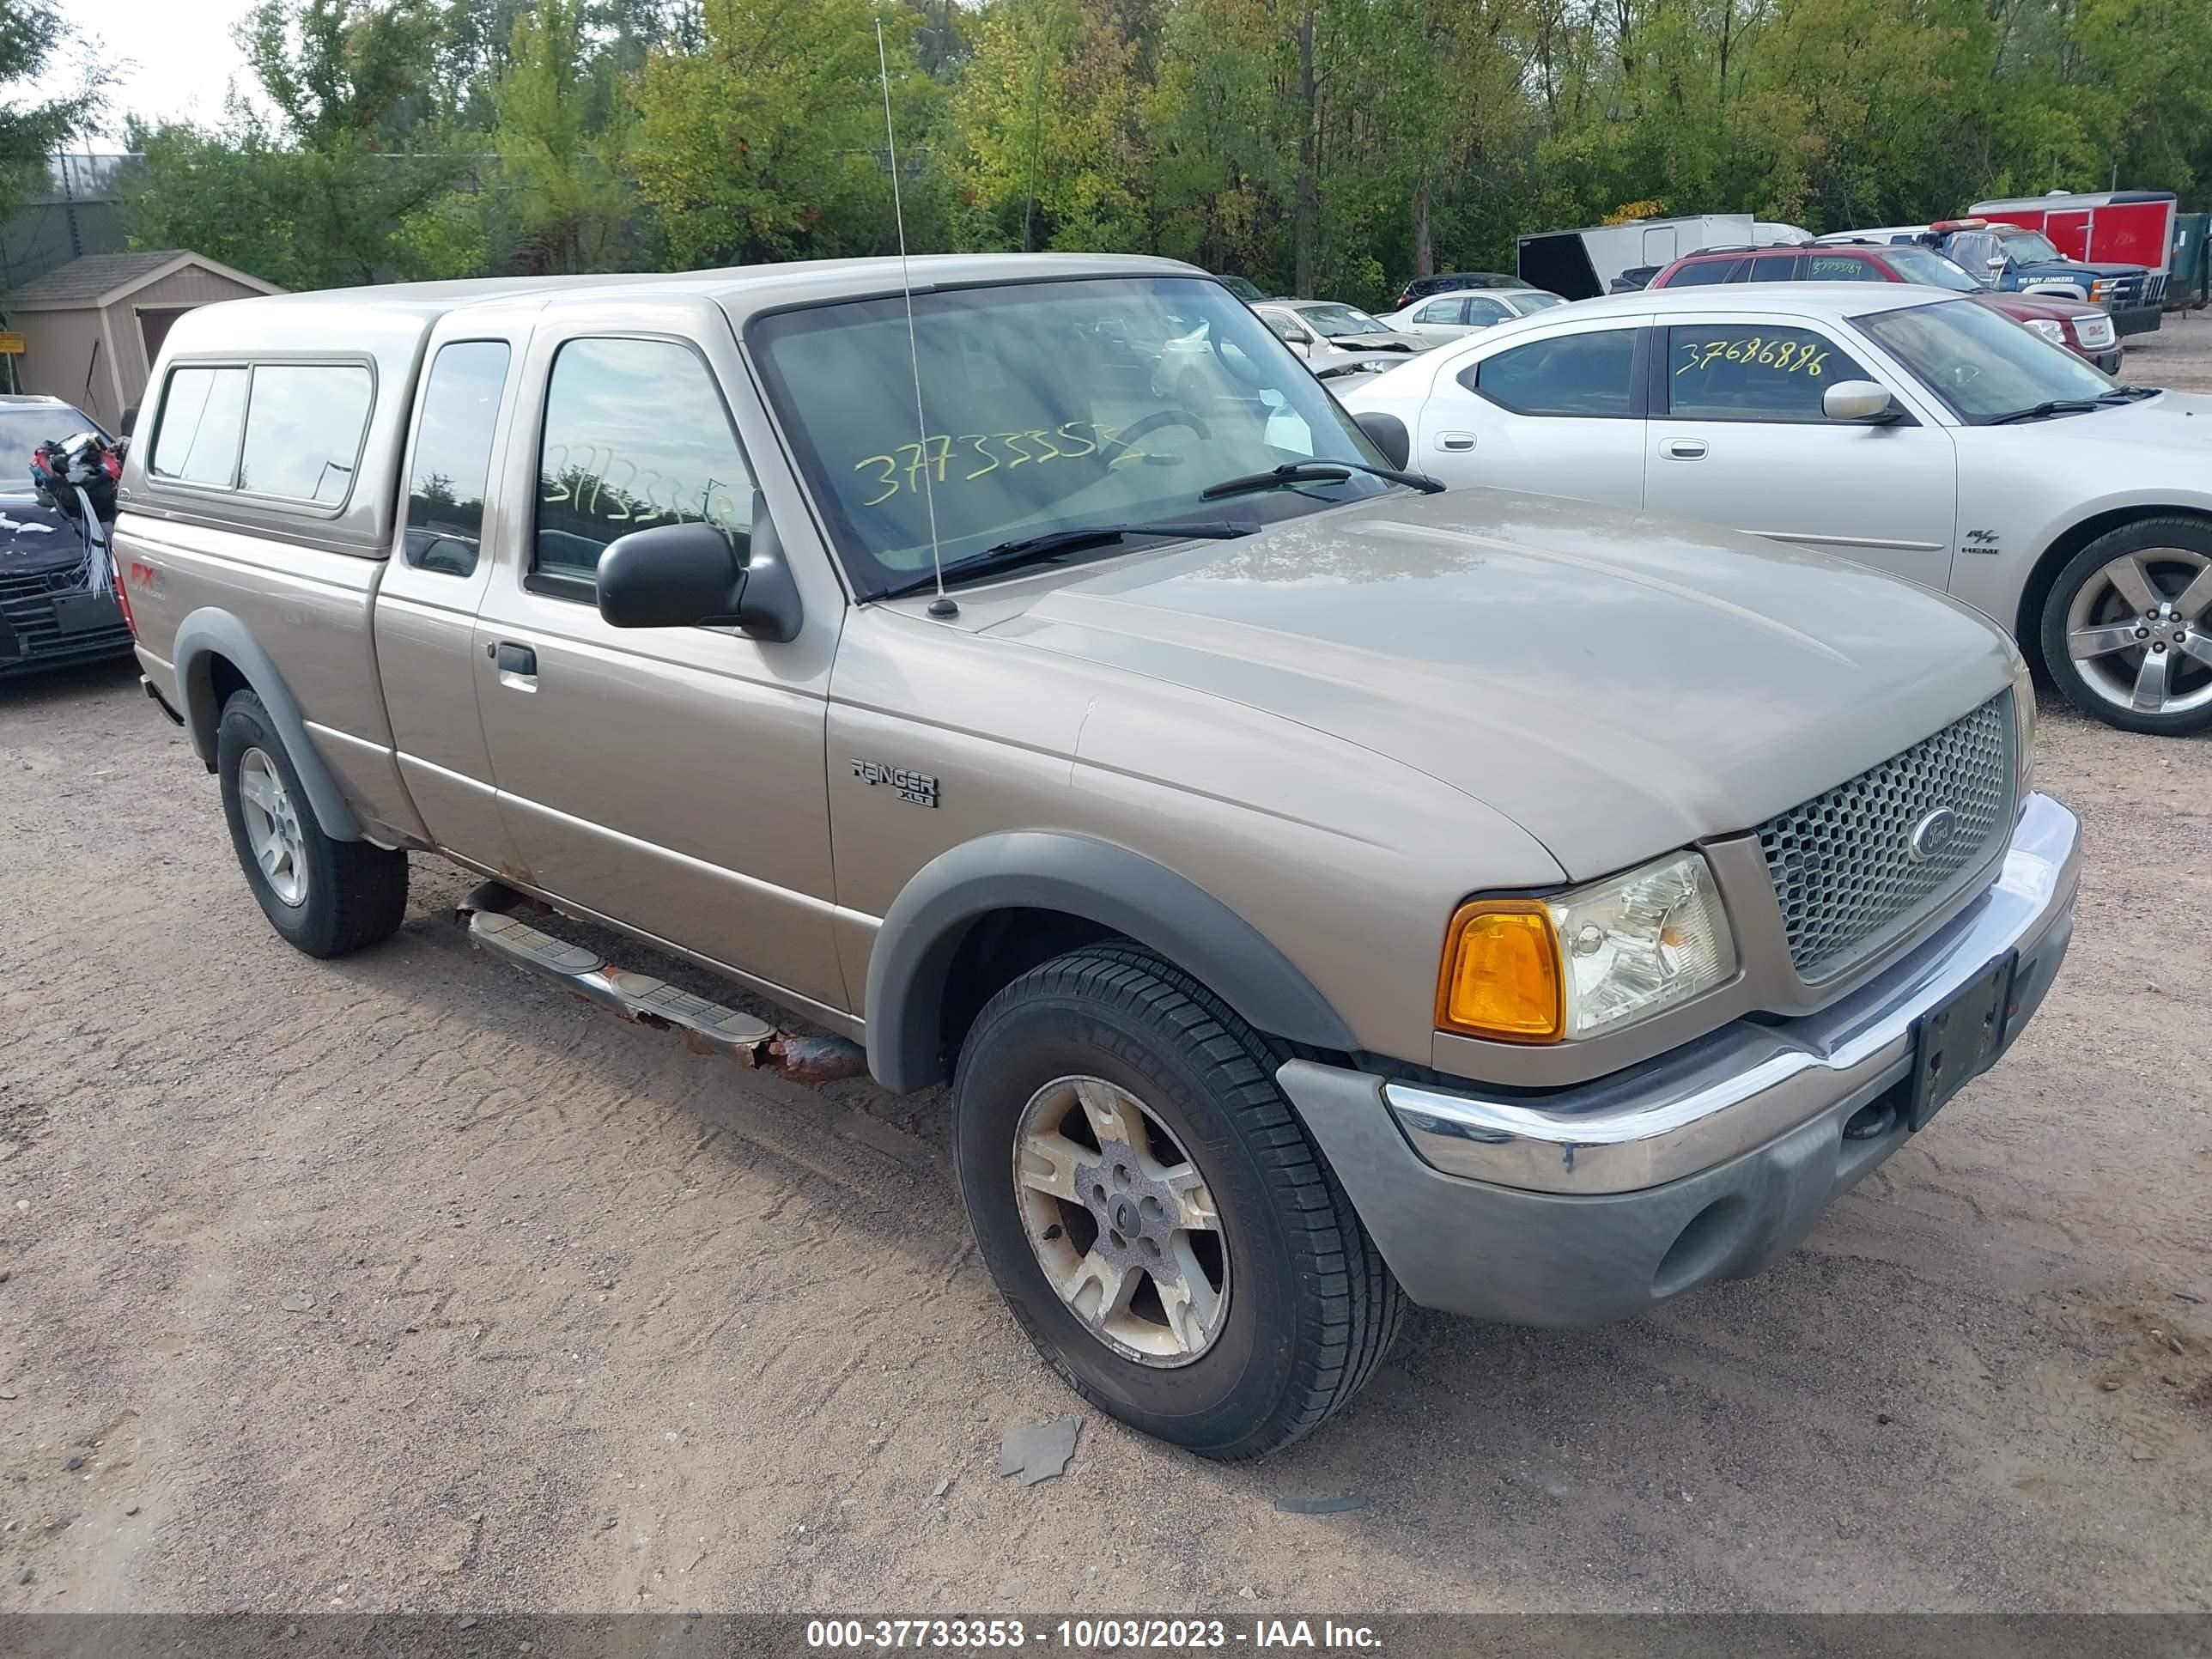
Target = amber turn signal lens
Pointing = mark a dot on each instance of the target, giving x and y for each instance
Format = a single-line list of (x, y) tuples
[(1500, 977)]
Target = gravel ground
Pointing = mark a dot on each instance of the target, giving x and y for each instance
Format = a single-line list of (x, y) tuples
[(405, 1282)]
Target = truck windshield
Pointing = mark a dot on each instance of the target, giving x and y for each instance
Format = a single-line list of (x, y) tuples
[(1046, 405), (2031, 247), (1981, 362), (1926, 266)]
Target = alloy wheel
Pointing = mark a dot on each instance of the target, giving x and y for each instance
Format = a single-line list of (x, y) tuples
[(1121, 1222), (273, 827), (2139, 631)]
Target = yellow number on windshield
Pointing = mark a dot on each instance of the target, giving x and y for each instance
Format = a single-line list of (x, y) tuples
[(889, 479)]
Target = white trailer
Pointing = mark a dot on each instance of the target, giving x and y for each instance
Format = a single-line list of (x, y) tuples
[(1580, 265)]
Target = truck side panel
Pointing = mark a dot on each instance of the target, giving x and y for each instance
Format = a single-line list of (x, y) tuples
[(309, 610)]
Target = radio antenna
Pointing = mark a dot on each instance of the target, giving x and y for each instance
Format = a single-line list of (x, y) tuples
[(941, 607)]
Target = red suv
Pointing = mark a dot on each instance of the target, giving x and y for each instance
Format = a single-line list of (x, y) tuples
[(2085, 330)]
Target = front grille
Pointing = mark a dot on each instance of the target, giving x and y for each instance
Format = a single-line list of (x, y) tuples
[(1844, 865), (31, 630)]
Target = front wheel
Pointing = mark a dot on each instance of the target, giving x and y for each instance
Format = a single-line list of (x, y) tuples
[(1152, 1208), (2127, 628)]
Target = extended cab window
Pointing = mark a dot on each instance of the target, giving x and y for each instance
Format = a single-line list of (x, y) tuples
[(453, 455), (1584, 374), (303, 427), (197, 440), (1744, 372), (636, 435)]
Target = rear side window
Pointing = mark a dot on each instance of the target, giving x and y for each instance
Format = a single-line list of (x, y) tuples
[(1774, 268), (453, 455), (1584, 374), (1738, 372), (1481, 310), (202, 412), (1706, 271), (1843, 267), (636, 435), (303, 427), (1441, 311)]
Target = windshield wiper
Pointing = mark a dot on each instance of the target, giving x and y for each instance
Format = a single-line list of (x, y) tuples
[(1045, 547), (2054, 406), (2128, 394), (1314, 471)]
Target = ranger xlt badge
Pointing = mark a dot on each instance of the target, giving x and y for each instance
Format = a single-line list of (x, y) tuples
[(917, 787)]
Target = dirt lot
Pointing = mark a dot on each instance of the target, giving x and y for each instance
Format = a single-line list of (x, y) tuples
[(406, 1282)]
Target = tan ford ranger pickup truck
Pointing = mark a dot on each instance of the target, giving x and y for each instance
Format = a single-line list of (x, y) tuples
[(1321, 893)]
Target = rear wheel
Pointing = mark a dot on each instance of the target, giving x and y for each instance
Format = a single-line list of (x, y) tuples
[(326, 896), (2127, 627), (1151, 1209)]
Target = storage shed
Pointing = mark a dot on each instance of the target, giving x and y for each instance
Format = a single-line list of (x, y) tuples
[(93, 327)]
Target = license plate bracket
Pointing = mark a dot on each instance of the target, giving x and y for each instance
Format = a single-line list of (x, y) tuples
[(1954, 1044), (83, 613)]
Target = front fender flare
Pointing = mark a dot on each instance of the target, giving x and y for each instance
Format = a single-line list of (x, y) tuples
[(1076, 876), (211, 632)]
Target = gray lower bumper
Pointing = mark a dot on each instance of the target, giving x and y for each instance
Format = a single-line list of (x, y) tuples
[(1740, 1140)]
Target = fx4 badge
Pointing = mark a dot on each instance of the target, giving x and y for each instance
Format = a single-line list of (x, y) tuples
[(917, 788), (1982, 541)]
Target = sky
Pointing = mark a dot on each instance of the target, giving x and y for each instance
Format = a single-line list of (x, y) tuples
[(182, 59)]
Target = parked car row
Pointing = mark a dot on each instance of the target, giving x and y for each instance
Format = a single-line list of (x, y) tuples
[(2084, 329)]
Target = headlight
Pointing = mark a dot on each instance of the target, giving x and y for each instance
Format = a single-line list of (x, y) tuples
[(2097, 291), (2050, 328), (1601, 956), (2023, 717)]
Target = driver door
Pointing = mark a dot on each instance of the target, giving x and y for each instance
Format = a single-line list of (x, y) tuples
[(1737, 437), (669, 779)]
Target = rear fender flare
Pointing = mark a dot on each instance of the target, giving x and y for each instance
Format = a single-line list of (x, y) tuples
[(211, 632), (1117, 888)]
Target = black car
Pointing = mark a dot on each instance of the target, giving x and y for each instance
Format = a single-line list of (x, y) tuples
[(1446, 282), (49, 616)]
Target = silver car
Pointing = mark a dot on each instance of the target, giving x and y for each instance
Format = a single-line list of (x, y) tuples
[(1909, 429), (1444, 318), (1325, 334)]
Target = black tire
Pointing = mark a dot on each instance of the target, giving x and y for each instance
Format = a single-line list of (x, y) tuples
[(2181, 540), (355, 894), (1311, 1307)]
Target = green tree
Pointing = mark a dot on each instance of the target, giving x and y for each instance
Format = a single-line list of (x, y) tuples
[(36, 36), (350, 180), (568, 186), (763, 143)]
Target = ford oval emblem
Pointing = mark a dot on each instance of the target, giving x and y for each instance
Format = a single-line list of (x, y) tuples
[(1932, 834)]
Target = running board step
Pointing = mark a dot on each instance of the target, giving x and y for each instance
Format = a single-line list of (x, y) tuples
[(707, 1028)]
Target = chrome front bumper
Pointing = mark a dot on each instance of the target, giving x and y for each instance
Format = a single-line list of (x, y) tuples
[(1598, 1202), (1659, 1123)]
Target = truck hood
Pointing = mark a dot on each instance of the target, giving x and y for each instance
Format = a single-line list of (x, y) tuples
[(1617, 685), (2079, 268)]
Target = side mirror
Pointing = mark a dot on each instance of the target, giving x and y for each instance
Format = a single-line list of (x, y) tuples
[(1996, 262), (1861, 401), (683, 575), (1387, 434)]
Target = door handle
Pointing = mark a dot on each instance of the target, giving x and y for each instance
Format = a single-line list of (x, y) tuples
[(1683, 449), (1455, 440), (517, 665)]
